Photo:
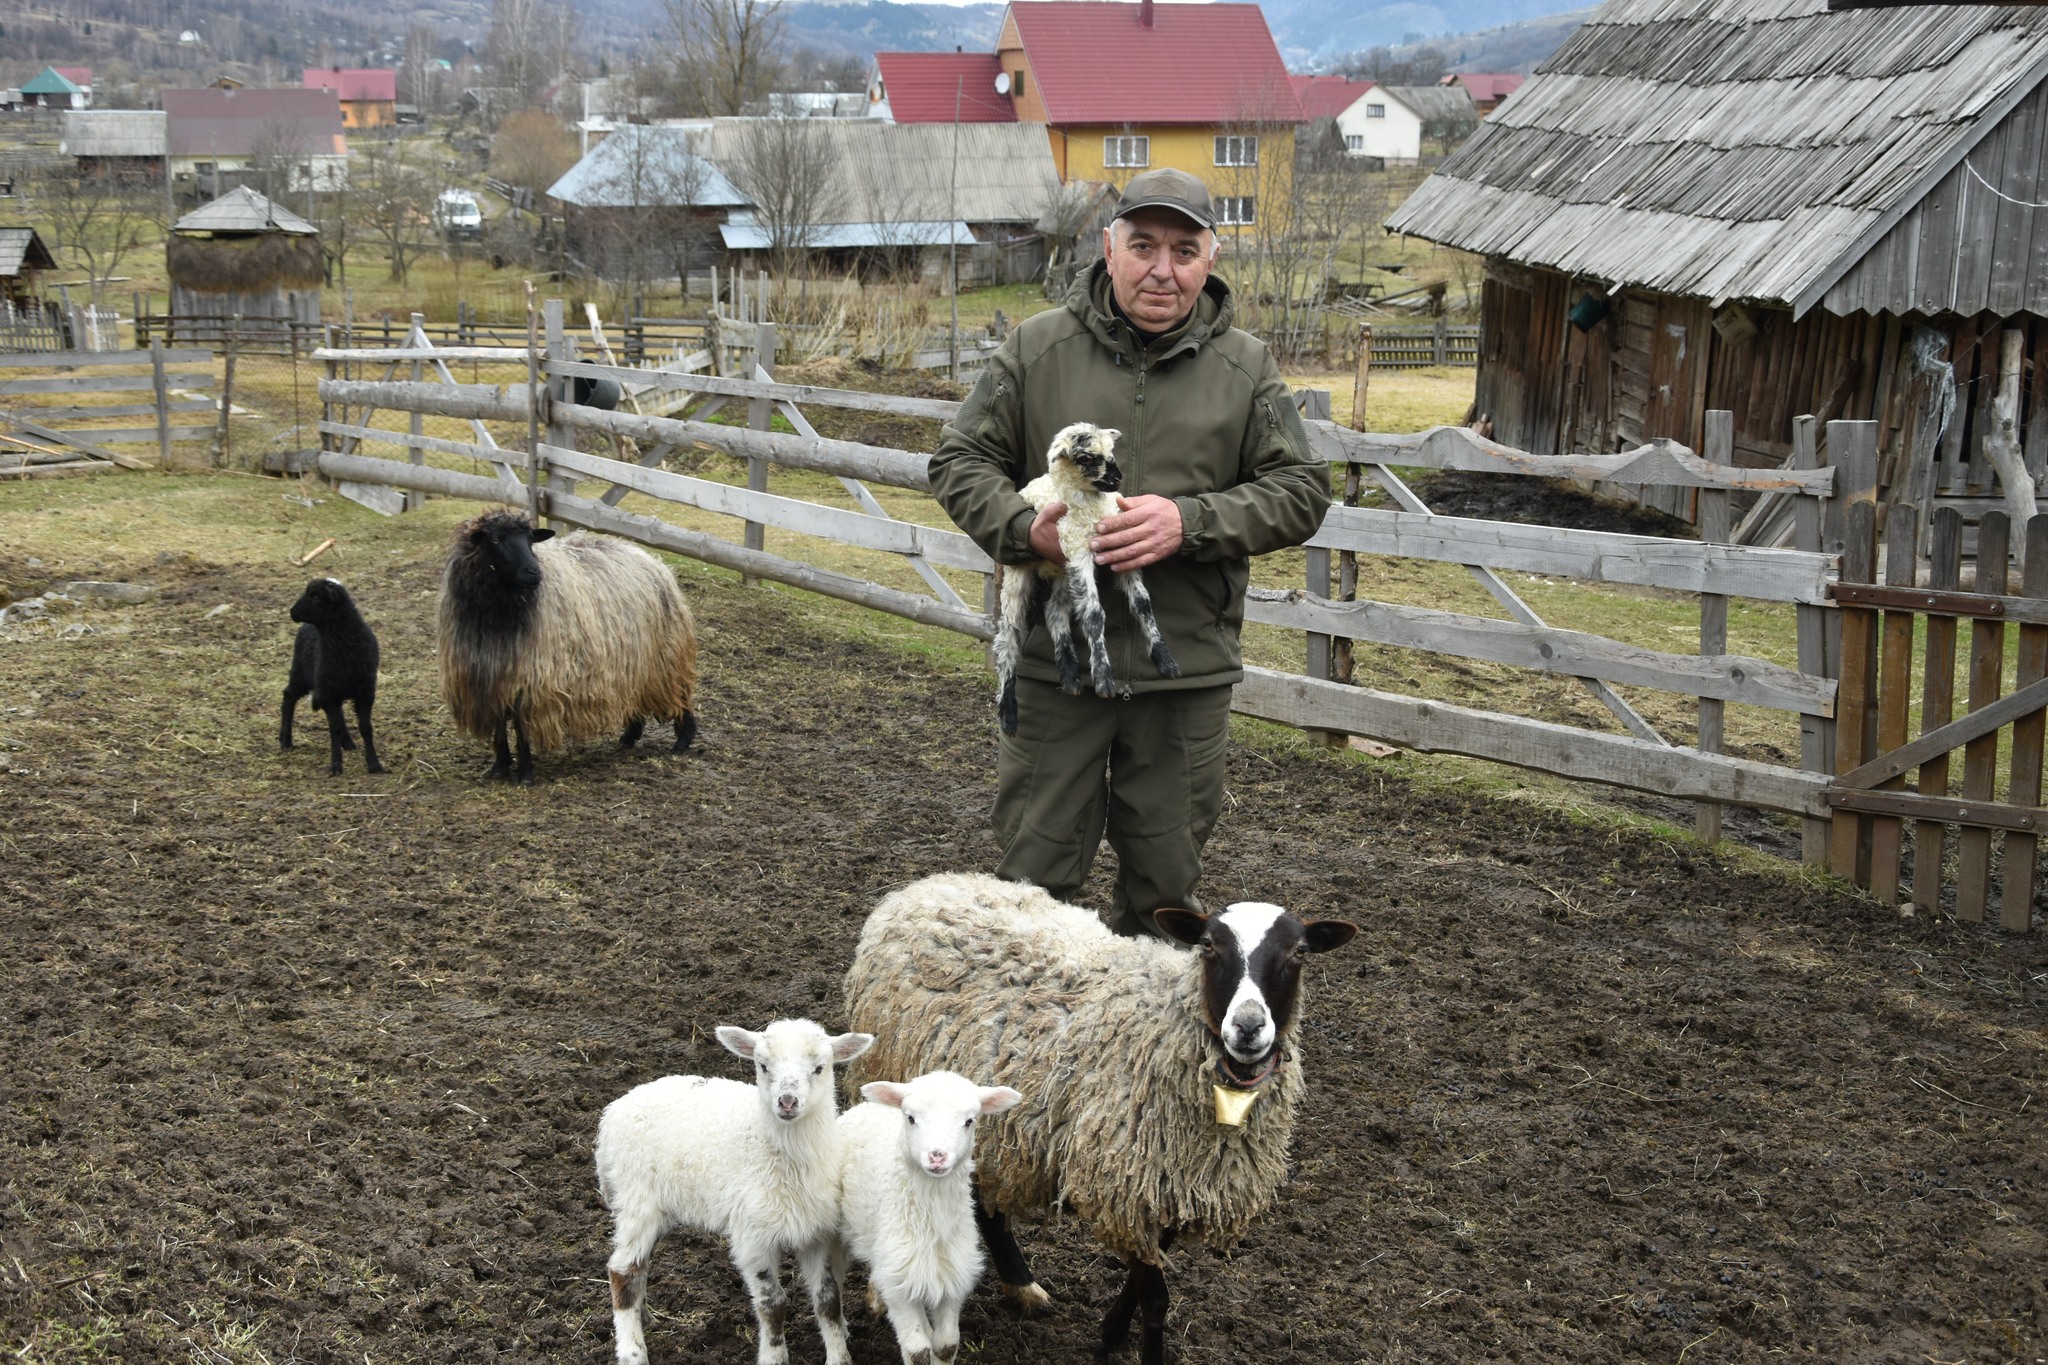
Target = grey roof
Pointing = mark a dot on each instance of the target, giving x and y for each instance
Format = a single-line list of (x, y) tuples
[(1732, 149), (114, 132), (649, 166), (749, 236), (19, 247), (243, 210), (883, 172), (1449, 103)]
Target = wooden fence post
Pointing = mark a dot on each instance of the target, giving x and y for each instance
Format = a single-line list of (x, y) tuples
[(759, 413), (227, 393), (559, 434), (1895, 688), (162, 389), (1980, 756), (1816, 732), (414, 499), (1937, 702), (1719, 449), (2028, 735), (1441, 340), (1347, 560), (1854, 448)]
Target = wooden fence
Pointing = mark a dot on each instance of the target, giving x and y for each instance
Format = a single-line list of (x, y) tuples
[(1830, 506), (106, 393)]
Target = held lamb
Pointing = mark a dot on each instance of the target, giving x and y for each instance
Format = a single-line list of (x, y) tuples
[(334, 657), (1163, 1082), (569, 639), (906, 1202), (1081, 472), (756, 1164)]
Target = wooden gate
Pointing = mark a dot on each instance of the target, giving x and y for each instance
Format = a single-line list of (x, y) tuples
[(1996, 789)]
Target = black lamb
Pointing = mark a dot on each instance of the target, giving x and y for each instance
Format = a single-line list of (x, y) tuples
[(335, 659)]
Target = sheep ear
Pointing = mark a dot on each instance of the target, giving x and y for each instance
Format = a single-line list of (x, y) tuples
[(541, 533), (996, 1098), (738, 1040), (1319, 936), (884, 1092), (848, 1046), (1184, 925)]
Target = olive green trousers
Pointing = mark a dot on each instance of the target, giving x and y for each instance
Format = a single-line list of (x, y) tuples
[(1146, 771)]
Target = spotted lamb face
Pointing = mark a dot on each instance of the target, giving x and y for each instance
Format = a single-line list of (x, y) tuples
[(1251, 970), (793, 1061), (1089, 449)]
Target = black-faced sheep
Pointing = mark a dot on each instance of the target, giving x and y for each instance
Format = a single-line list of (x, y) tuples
[(756, 1164), (1082, 473), (1140, 1061), (567, 640), (334, 657)]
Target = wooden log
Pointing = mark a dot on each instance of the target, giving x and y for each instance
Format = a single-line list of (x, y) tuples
[(161, 393), (1563, 750), (1894, 693), (1714, 513), (427, 478), (413, 352), (760, 411), (877, 464), (1980, 756), (2016, 905), (1937, 705), (1659, 461), (661, 381), (90, 360), (78, 441), (1816, 731), (483, 402)]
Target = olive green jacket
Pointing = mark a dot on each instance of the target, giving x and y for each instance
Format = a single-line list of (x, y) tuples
[(1206, 421)]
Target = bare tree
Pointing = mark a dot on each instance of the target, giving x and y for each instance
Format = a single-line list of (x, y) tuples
[(280, 158), (528, 45), (420, 75), (393, 203), (728, 52), (786, 167), (532, 150), (643, 222), (1408, 65), (99, 221)]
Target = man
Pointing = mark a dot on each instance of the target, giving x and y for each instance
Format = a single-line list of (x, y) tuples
[(1216, 469)]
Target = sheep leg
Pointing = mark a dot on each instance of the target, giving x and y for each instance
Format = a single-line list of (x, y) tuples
[(1144, 1287), (525, 769), (1133, 584), (634, 728), (686, 731), (756, 1259), (824, 1272), (501, 753), (284, 724), (370, 762), (914, 1330), (1088, 604), (945, 1321), (1015, 1277), (1059, 623), (337, 739), (1016, 605), (628, 1269)]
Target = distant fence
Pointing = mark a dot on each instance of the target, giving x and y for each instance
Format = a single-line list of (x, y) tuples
[(70, 412)]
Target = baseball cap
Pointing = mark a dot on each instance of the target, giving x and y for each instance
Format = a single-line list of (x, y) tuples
[(1167, 188)]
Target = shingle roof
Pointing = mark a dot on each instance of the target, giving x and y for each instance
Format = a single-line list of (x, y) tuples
[(650, 166), (21, 248), (353, 84), (228, 122), (1327, 96), (113, 132), (1096, 62), (922, 86), (1736, 149), (243, 210)]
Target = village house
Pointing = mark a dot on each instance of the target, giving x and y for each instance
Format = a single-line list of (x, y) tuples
[(1814, 212), (368, 95), (59, 87), (1486, 88), (938, 87), (216, 138), (23, 258), (121, 144)]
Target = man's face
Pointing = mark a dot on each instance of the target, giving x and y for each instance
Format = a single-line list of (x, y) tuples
[(1158, 263)]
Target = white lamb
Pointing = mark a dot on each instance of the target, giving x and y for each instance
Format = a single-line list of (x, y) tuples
[(757, 1164), (1081, 472), (907, 1202)]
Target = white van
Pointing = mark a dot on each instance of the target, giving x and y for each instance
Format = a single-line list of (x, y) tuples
[(457, 215)]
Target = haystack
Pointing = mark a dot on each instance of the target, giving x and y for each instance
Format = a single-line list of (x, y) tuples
[(243, 254)]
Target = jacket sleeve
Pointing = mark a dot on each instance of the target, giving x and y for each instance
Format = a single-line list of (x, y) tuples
[(980, 463), (1284, 488)]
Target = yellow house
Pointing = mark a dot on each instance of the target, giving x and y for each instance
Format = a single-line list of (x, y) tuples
[(1124, 87)]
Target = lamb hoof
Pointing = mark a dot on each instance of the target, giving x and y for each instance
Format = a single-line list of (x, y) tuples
[(686, 732), (1163, 661), (376, 767), (1028, 1299)]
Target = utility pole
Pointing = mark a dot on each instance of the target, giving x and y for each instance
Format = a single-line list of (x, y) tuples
[(952, 236)]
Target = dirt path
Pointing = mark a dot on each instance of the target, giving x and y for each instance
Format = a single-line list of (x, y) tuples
[(307, 1069)]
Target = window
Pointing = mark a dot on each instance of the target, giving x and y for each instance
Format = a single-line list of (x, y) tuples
[(1235, 208), (1237, 151), (1375, 111), (1126, 151), (1354, 143), (1017, 83)]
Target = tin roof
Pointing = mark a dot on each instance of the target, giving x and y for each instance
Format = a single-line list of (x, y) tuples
[(648, 165), (113, 132), (214, 122), (353, 84), (922, 87), (51, 81), (1109, 61), (243, 210)]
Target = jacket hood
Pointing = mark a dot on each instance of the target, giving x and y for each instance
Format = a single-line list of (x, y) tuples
[(1089, 300)]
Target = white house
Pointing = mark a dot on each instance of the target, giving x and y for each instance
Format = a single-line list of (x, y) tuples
[(1390, 123)]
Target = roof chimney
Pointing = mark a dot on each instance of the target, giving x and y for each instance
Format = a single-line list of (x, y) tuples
[(1145, 13)]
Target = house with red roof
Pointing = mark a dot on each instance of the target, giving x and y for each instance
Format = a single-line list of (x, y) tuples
[(1123, 86), (1487, 88), (368, 95), (214, 138)]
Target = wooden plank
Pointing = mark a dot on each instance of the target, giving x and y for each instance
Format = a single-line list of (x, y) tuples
[(1593, 556), (427, 478), (1718, 446), (2023, 785), (1660, 461), (663, 381), (407, 440), (57, 470), (1816, 731), (104, 383), (596, 516), (950, 548), (1894, 692), (130, 436), (1983, 816), (94, 412), (75, 441), (371, 353), (1544, 649), (86, 360), (876, 464), (160, 397), (482, 402), (1980, 757), (1437, 727), (1937, 705), (1853, 716)]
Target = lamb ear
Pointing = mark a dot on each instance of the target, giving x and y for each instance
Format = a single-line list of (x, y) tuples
[(1320, 936), (738, 1040), (541, 533), (848, 1046), (1185, 925), (996, 1098), (884, 1092)]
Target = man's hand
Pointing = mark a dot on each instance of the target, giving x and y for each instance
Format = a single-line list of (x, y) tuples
[(1145, 530), (1045, 533)]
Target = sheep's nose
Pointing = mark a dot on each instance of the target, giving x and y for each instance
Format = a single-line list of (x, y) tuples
[(785, 1106), (1111, 480), (936, 1162)]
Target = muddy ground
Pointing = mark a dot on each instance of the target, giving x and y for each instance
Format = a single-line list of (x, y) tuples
[(307, 1069)]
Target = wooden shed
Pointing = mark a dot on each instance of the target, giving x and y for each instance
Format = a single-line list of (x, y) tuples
[(23, 258), (243, 255), (1772, 208)]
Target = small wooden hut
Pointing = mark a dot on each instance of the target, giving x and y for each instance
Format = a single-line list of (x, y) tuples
[(243, 255), (1773, 208), (22, 258)]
